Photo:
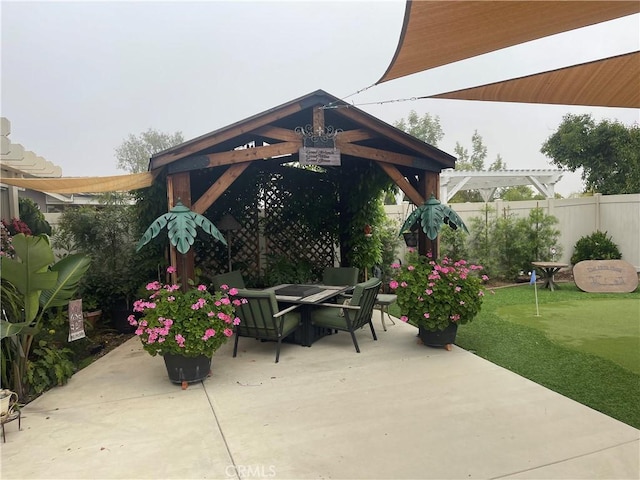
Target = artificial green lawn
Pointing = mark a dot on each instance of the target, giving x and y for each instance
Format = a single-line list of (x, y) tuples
[(585, 346)]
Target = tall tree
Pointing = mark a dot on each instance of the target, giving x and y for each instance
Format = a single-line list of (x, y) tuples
[(134, 153), (470, 161), (608, 153), (473, 160), (427, 128)]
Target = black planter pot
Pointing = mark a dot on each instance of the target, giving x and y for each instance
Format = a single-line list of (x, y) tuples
[(185, 370), (440, 338), (120, 317)]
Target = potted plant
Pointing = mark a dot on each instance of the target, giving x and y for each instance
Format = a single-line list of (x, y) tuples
[(185, 326), (184, 323), (437, 296)]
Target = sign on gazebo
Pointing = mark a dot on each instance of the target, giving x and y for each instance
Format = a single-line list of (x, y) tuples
[(319, 156)]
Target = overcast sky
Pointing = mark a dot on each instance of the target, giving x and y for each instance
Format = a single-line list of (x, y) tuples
[(79, 77)]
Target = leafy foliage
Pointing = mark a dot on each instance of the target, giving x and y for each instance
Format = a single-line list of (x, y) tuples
[(433, 295), (105, 233), (607, 152), (134, 153), (426, 128), (31, 215), (507, 245), (49, 367), (597, 246), (33, 286), (190, 323)]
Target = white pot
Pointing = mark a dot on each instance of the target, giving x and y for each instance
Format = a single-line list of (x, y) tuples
[(5, 398)]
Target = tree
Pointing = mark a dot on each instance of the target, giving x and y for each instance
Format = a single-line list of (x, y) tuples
[(608, 153), (134, 153), (475, 160), (425, 128)]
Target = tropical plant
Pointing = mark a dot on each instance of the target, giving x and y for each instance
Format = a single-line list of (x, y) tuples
[(39, 284), (597, 246), (188, 322), (434, 294)]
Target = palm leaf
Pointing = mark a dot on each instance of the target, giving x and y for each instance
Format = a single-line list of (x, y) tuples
[(70, 271), (29, 273)]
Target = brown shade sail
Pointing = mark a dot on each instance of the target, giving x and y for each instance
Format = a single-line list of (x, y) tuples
[(610, 82), (436, 33), (69, 185)]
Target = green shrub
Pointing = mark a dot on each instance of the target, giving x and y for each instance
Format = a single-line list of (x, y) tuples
[(597, 246), (50, 366)]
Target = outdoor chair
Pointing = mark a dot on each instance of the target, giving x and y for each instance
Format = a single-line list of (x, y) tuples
[(350, 316), (260, 319), (340, 276), (232, 279)]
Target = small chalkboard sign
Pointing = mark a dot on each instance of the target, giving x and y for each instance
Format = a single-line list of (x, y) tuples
[(76, 320)]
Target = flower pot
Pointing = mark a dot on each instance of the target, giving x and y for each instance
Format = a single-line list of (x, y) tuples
[(92, 318), (441, 338), (185, 370), (120, 318)]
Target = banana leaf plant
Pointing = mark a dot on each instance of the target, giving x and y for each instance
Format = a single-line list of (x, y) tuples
[(432, 215), (39, 284), (181, 224)]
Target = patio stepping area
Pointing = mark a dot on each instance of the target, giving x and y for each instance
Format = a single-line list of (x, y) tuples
[(396, 410)]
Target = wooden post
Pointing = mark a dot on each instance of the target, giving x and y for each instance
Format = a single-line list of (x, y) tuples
[(429, 185), (179, 188)]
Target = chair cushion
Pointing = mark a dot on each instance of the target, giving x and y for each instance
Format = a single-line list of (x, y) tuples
[(329, 317)]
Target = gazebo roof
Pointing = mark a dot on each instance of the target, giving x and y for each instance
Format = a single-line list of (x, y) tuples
[(273, 133)]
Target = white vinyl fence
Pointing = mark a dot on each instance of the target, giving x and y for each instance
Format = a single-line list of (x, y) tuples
[(618, 215)]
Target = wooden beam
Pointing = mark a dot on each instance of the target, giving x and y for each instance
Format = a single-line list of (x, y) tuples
[(179, 188), (256, 153), (318, 120), (402, 182), (277, 133), (354, 136), (219, 187), (213, 138), (395, 135), (378, 155)]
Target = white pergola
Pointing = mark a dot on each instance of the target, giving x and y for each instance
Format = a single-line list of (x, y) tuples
[(487, 182)]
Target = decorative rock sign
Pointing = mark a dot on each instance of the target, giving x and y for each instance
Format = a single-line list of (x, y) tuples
[(605, 276), (319, 156)]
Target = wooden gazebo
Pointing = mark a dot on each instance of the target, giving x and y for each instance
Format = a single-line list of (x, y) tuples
[(312, 128)]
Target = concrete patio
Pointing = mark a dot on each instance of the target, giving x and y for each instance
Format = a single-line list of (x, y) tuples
[(398, 410)]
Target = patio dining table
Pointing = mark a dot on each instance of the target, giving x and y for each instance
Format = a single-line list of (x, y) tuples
[(549, 269), (307, 296)]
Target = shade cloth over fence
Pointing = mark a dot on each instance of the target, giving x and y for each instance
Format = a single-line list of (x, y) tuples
[(69, 185)]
